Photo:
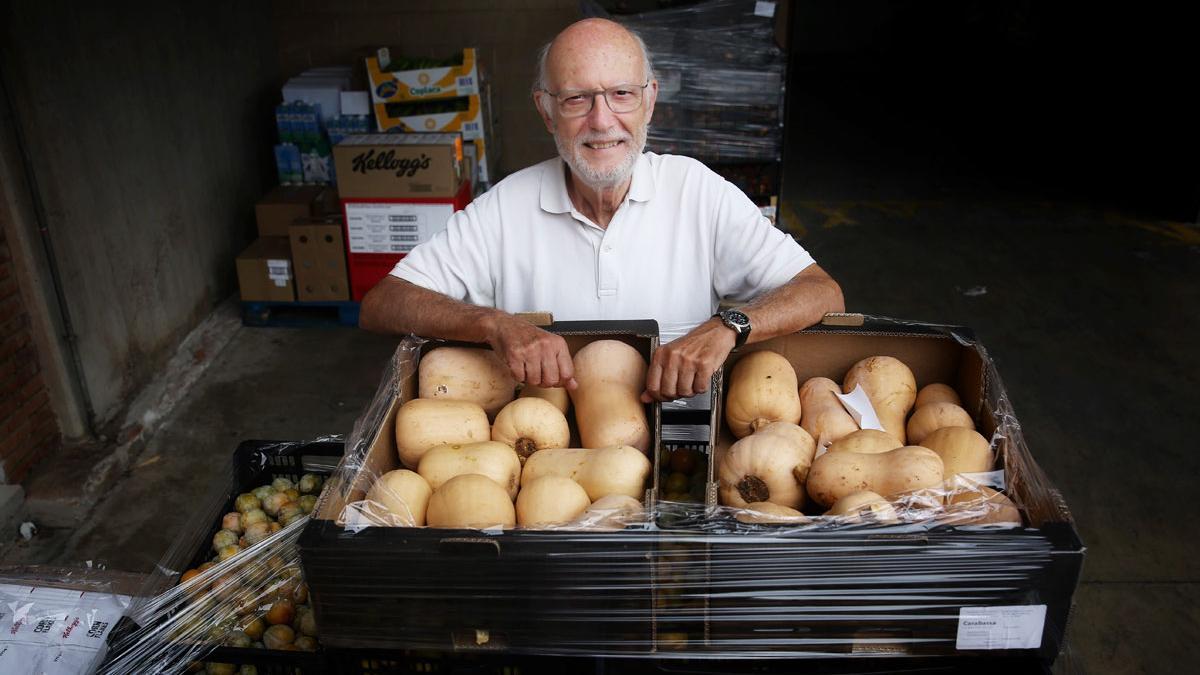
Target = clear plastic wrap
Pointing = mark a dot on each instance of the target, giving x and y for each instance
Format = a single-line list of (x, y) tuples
[(691, 579), (721, 78), (237, 606), (221, 606)]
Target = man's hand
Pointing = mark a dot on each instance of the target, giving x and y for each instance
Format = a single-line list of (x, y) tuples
[(535, 357), (685, 366)]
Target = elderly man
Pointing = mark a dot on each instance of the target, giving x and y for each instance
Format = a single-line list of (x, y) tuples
[(605, 231)]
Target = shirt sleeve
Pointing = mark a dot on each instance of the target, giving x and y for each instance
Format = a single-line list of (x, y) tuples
[(752, 255), (455, 262)]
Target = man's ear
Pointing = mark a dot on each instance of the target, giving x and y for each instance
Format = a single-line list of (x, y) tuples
[(651, 97), (542, 101)]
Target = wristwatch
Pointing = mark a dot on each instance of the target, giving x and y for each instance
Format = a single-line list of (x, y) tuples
[(738, 322)]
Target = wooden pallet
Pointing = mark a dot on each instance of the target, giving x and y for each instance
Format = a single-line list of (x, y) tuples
[(299, 314)]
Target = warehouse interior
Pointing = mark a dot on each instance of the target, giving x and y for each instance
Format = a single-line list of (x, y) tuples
[(1024, 170)]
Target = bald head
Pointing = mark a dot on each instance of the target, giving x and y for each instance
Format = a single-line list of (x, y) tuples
[(586, 41)]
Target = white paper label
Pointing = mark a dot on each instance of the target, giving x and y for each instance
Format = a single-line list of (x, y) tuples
[(1008, 627), (766, 9), (859, 406), (279, 271), (393, 228)]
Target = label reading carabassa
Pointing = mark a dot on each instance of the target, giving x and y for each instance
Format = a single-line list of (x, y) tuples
[(1006, 627)]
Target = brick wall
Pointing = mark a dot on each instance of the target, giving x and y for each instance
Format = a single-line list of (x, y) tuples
[(28, 428), (507, 34)]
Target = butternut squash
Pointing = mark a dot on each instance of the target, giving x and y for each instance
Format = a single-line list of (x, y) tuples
[(962, 450), (423, 423), (769, 513), (611, 513), (868, 441), (762, 389), (864, 506), (837, 474), (466, 374), (608, 408), (936, 393), (470, 501), (550, 500), (529, 424), (768, 466), (555, 395), (981, 506), (891, 387), (822, 414), (929, 418), (488, 458), (402, 494), (619, 470)]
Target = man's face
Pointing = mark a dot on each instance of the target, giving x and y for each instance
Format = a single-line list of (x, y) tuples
[(600, 147)]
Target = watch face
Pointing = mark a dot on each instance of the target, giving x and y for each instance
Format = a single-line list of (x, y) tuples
[(736, 318)]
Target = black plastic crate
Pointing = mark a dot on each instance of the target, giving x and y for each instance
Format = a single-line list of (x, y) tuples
[(254, 463)]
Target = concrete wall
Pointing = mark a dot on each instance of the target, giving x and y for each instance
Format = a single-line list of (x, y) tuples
[(508, 34), (148, 131)]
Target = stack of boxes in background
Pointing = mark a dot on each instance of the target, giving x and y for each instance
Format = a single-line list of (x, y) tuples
[(397, 189), (318, 110), (422, 95), (299, 253)]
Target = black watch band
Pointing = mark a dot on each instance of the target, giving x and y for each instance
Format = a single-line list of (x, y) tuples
[(738, 322)]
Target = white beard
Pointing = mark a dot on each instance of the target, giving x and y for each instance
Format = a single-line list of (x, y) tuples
[(594, 177)]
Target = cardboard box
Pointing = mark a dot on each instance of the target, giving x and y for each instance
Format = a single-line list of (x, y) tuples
[(264, 271), (518, 589), (470, 121), (376, 166), (379, 232), (425, 83), (319, 260), (286, 204)]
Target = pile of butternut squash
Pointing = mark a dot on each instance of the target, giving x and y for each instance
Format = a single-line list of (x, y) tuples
[(798, 443), (475, 454)]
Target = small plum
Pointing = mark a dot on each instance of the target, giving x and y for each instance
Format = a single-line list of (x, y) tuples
[(278, 637), (246, 502), (310, 484)]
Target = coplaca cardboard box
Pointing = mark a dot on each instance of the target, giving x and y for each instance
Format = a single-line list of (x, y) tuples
[(285, 204), (373, 166), (319, 260), (264, 271), (424, 83)]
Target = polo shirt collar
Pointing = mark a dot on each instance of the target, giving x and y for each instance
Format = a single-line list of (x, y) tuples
[(553, 195)]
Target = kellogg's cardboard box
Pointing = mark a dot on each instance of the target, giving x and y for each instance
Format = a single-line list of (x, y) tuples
[(374, 166)]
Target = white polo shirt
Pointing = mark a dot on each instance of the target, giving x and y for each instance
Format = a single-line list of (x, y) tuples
[(683, 239)]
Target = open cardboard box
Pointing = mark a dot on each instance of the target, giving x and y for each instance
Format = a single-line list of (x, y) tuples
[(517, 590), (873, 590)]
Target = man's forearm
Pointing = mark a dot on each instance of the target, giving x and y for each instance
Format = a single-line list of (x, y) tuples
[(794, 306), (398, 307)]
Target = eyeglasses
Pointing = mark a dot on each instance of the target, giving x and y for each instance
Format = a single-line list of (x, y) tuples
[(623, 98)]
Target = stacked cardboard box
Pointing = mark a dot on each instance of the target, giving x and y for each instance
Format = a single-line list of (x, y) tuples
[(418, 96), (299, 254)]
